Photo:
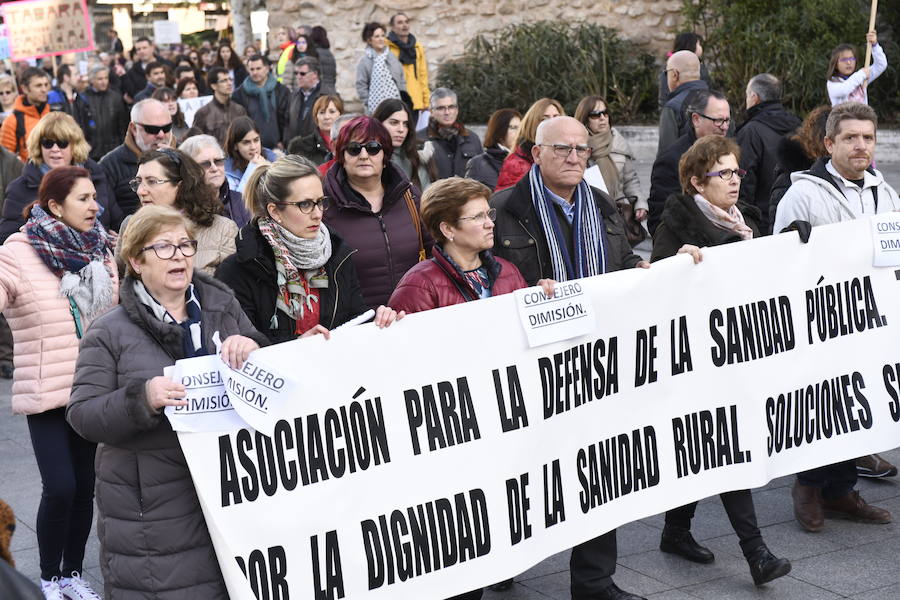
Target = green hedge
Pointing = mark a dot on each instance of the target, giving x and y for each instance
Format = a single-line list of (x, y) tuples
[(522, 63), (792, 40)]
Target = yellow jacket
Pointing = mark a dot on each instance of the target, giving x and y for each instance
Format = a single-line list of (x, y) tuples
[(416, 76)]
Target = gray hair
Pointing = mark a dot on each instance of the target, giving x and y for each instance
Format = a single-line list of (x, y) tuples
[(271, 183), (441, 93), (541, 130), (309, 61), (194, 144), (340, 121), (137, 110), (697, 101), (766, 86), (96, 70), (848, 111)]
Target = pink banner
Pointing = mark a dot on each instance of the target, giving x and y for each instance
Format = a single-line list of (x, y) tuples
[(38, 28)]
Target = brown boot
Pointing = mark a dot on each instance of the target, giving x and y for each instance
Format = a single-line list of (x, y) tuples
[(853, 507), (808, 506)]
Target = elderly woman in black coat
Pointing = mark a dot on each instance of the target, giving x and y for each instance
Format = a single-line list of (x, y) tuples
[(153, 538)]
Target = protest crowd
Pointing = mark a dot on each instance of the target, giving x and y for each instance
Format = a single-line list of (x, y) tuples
[(131, 231)]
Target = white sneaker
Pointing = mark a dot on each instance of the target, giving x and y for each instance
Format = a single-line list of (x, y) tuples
[(51, 589), (76, 588)]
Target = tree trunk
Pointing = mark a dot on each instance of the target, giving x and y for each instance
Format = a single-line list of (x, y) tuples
[(243, 35)]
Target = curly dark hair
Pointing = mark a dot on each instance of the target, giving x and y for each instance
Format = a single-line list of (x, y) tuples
[(197, 200)]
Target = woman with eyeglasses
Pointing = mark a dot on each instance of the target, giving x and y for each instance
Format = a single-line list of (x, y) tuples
[(396, 116), (845, 82), (169, 98), (376, 208), (707, 214), (56, 141), (244, 152), (154, 542), (611, 152), (291, 273), (56, 276), (206, 152), (519, 161), (171, 178)]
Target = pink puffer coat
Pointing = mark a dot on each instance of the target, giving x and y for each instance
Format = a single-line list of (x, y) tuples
[(46, 346)]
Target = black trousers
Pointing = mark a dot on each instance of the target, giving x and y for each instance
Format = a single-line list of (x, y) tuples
[(66, 463), (476, 595), (592, 566), (6, 343), (741, 513), (836, 480)]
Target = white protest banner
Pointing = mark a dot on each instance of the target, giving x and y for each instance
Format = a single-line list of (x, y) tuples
[(209, 408), (442, 454), (886, 238), (166, 32), (190, 106), (39, 28)]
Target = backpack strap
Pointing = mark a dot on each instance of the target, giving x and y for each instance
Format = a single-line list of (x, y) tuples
[(20, 129)]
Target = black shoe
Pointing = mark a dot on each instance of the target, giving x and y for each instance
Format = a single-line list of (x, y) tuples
[(676, 540), (765, 566), (614, 592), (6, 371), (502, 586)]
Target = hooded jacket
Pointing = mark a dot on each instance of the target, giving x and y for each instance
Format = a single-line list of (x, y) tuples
[(387, 243), (485, 167), (451, 155), (111, 118), (153, 537), (816, 197), (758, 138), (683, 223), (8, 137), (514, 167), (251, 273)]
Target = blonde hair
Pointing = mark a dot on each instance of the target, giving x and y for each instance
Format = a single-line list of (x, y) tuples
[(7, 80), (533, 118), (271, 183), (61, 127), (144, 225)]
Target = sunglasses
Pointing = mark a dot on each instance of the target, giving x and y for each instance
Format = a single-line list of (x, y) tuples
[(354, 148), (155, 129), (596, 114), (48, 144)]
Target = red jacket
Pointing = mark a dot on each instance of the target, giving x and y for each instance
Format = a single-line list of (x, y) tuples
[(515, 167), (438, 282)]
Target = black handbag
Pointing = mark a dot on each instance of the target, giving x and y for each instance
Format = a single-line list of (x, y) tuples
[(634, 231)]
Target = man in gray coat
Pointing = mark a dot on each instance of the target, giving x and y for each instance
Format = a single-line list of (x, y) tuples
[(683, 77)]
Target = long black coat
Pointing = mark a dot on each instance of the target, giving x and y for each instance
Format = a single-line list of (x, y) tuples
[(790, 157), (111, 118), (520, 238), (251, 273), (683, 223), (664, 177)]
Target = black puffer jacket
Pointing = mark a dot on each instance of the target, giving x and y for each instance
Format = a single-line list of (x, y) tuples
[(310, 146), (111, 120), (23, 191), (154, 539), (121, 165), (251, 273), (451, 155), (790, 157), (758, 138), (664, 177), (486, 166), (683, 223)]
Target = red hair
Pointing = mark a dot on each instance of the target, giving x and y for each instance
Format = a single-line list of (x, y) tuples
[(363, 129), (56, 185)]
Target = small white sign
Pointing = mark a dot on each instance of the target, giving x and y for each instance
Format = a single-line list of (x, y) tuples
[(190, 106), (166, 32), (595, 179), (209, 408), (565, 315), (259, 21), (886, 236)]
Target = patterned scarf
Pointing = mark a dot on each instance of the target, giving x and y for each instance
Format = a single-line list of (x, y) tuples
[(381, 83), (588, 231), (729, 220), (192, 337), (296, 259), (77, 258)]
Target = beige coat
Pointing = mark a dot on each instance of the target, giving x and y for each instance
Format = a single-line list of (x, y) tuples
[(46, 346)]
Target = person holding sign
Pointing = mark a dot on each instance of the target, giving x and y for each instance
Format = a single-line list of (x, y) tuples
[(153, 538), (707, 214), (552, 224), (845, 82), (291, 273), (56, 275)]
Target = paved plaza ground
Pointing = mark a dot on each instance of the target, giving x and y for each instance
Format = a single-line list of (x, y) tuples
[(846, 560)]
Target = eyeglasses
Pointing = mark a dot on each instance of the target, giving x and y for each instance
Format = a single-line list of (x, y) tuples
[(480, 217), (562, 150), (48, 144), (307, 206), (847, 59), (155, 129), (596, 114), (448, 108), (727, 174), (206, 165), (135, 183), (354, 148), (7, 92), (166, 251), (717, 122)]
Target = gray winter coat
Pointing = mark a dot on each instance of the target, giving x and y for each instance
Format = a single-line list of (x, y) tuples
[(364, 75), (153, 537)]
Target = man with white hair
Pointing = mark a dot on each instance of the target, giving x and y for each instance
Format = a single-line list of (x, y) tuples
[(150, 129), (536, 230)]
